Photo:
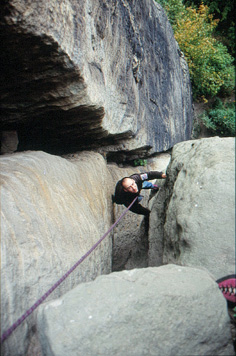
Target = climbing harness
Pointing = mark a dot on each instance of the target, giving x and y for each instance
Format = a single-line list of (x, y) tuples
[(8, 332)]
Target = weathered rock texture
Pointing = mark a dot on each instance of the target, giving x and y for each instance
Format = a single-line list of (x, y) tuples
[(169, 311), (78, 74), (193, 217), (53, 211)]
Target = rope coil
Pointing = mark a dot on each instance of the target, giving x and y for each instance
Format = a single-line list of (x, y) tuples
[(9, 331)]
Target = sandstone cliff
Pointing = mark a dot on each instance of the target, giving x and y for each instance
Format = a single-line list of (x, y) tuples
[(54, 209), (87, 84), (82, 74)]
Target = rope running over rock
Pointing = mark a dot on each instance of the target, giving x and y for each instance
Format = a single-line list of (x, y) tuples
[(8, 332)]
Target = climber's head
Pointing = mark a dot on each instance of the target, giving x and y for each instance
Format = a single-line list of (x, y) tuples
[(129, 185)]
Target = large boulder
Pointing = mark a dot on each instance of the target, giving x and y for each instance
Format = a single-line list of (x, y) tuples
[(53, 211), (169, 310), (84, 73), (193, 217)]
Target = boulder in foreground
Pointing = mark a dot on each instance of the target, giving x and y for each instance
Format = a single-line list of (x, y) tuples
[(168, 310)]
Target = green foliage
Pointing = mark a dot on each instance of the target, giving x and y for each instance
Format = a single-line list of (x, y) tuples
[(174, 8), (225, 12), (140, 162), (211, 69), (220, 119), (210, 65)]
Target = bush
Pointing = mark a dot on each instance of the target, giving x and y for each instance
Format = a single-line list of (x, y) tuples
[(140, 162), (225, 12), (209, 62), (210, 65), (175, 10), (220, 119)]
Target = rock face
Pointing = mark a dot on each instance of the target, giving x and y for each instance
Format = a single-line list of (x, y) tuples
[(170, 310), (193, 216), (79, 74), (53, 211)]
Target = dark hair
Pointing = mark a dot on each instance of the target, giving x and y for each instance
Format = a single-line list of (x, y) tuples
[(122, 180)]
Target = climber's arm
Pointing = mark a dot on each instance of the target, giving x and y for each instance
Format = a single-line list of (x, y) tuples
[(138, 209), (152, 175)]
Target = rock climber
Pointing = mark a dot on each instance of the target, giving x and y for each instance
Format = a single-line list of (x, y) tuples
[(129, 187)]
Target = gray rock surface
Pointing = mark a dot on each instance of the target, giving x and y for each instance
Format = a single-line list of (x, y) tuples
[(194, 215), (53, 211), (85, 73), (169, 310)]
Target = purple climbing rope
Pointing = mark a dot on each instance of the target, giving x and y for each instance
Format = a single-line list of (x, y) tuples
[(8, 332)]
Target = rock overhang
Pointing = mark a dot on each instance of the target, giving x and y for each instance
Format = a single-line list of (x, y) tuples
[(93, 75)]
